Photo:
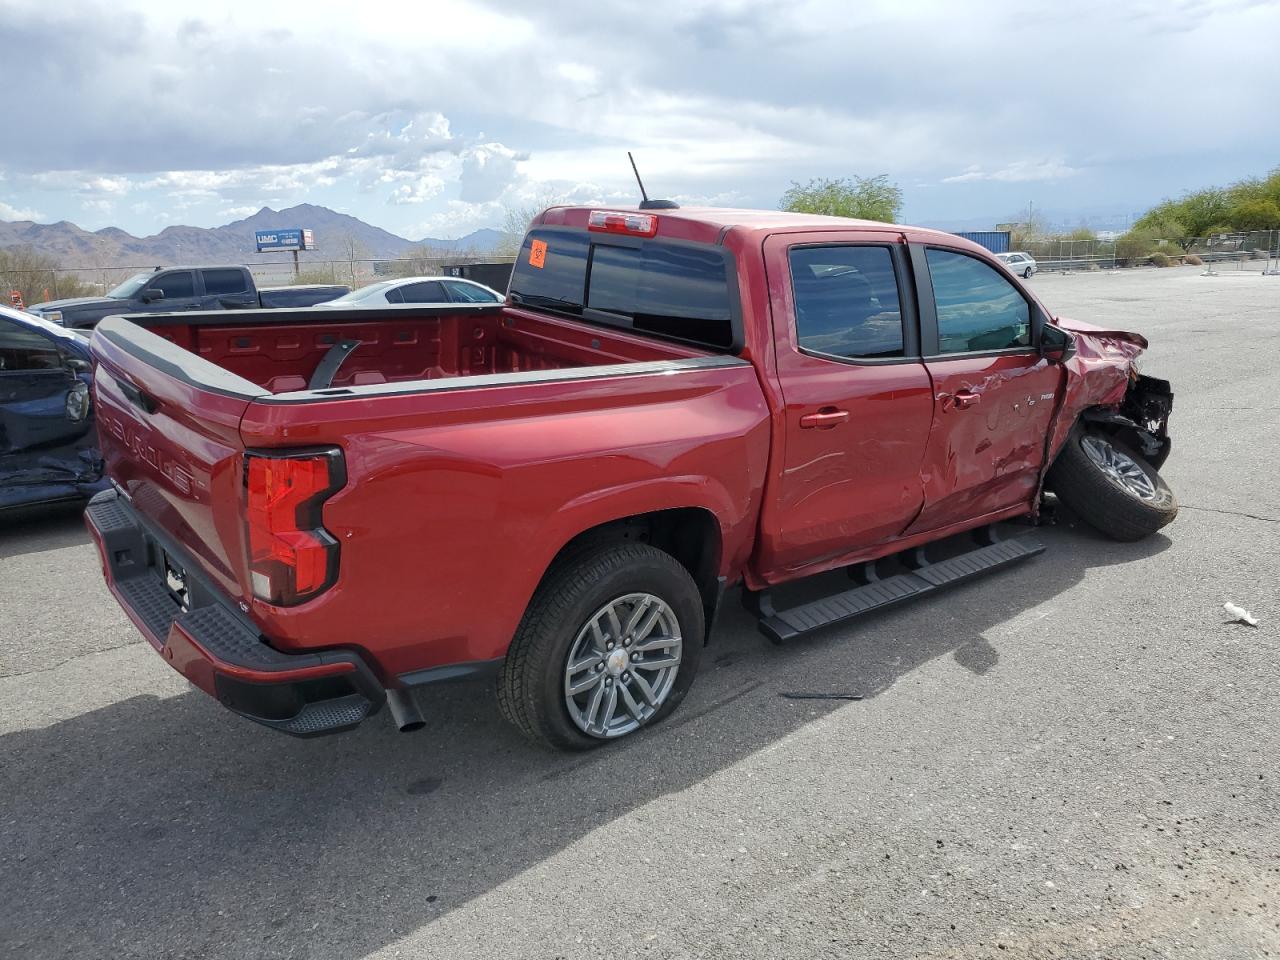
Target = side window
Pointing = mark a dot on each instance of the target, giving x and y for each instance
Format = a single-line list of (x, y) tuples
[(430, 292), (847, 301), (23, 349), (174, 285), (978, 309), (466, 293), (395, 295), (221, 282)]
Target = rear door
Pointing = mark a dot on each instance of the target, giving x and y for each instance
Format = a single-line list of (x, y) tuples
[(179, 289), (994, 394), (429, 291), (858, 400), (227, 288)]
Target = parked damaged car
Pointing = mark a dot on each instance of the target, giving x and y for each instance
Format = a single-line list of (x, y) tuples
[(48, 442), (318, 513)]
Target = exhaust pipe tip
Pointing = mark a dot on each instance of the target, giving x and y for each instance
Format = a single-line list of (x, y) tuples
[(404, 711)]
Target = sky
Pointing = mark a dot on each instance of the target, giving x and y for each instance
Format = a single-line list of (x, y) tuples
[(435, 118)]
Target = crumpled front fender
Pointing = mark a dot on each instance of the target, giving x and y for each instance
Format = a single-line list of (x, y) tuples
[(1098, 374)]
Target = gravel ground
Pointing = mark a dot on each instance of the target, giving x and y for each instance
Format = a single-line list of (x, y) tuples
[(1074, 758)]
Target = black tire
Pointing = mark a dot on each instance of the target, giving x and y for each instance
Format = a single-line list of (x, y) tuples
[(1104, 503), (531, 686), (1026, 274)]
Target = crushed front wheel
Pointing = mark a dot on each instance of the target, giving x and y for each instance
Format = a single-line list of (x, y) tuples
[(1109, 486)]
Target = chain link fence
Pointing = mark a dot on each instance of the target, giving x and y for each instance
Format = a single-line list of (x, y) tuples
[(1260, 248), (38, 284)]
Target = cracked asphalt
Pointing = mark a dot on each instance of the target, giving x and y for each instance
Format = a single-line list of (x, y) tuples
[(1073, 758)]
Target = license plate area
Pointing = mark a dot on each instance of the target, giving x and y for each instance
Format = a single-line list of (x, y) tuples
[(174, 577)]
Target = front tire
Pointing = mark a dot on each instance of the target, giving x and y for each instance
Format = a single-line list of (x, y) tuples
[(1026, 274), (610, 643), (1111, 487)]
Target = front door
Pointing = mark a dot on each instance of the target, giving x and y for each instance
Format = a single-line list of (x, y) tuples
[(858, 403), (994, 394), (179, 289)]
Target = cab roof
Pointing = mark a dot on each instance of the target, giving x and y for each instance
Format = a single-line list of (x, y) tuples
[(716, 221)]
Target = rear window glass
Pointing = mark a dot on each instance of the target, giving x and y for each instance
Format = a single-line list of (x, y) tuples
[(224, 281), (675, 290), (847, 301)]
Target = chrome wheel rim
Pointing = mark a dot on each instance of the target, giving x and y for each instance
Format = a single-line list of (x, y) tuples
[(1119, 467), (622, 665)]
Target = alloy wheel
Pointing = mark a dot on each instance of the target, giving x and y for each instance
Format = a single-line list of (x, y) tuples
[(622, 665)]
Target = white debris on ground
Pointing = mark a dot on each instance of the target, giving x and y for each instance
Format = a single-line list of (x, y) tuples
[(1241, 615)]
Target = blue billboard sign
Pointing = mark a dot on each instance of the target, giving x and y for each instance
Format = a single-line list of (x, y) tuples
[(291, 238)]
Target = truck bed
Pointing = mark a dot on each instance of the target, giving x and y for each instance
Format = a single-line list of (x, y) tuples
[(279, 350), (476, 442)]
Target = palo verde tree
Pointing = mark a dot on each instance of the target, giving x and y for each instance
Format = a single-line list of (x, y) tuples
[(862, 198), (1250, 204)]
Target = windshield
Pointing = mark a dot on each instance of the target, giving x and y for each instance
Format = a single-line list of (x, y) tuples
[(364, 293), (130, 287)]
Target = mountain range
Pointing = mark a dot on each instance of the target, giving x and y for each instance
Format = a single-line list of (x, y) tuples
[(72, 246)]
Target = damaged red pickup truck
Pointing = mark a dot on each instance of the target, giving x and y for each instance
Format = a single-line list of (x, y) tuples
[(318, 512)]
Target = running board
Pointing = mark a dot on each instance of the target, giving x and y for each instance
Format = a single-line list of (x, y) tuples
[(783, 625)]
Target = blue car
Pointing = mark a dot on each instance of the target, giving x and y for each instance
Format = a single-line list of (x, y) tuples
[(48, 442)]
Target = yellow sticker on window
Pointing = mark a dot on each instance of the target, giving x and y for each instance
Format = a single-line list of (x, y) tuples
[(538, 254)]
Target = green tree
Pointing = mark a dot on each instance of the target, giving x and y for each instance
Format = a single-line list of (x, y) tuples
[(862, 198), (1189, 219), (1260, 214)]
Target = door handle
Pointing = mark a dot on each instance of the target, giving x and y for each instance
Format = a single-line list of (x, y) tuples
[(967, 398), (824, 419)]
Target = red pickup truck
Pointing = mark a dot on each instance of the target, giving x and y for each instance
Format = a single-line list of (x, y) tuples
[(317, 512)]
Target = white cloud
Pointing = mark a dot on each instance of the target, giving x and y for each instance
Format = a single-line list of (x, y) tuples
[(419, 191), (721, 100), (487, 170), (1020, 171), (10, 212)]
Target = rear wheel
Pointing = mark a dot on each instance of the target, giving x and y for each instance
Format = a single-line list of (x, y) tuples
[(609, 644), (1111, 487)]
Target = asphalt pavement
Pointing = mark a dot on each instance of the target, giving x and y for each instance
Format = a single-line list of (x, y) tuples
[(1073, 758)]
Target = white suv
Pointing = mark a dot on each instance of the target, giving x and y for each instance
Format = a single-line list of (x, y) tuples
[(1020, 263)]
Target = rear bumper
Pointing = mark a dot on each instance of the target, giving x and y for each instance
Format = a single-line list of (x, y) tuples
[(216, 648)]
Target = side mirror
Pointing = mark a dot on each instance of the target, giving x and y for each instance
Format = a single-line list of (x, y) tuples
[(152, 295), (77, 365), (1056, 343)]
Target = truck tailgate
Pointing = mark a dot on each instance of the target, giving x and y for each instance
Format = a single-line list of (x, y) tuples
[(169, 429)]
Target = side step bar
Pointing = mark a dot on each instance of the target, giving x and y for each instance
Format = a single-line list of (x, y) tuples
[(877, 594)]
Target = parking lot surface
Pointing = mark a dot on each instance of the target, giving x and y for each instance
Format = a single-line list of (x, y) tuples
[(1076, 757)]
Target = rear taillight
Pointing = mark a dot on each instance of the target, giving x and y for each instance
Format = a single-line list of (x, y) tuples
[(623, 221), (292, 557)]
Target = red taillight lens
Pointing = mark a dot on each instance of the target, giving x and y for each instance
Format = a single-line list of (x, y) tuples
[(292, 557), (623, 221)]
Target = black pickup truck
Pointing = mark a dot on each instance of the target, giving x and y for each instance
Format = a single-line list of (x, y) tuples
[(167, 289)]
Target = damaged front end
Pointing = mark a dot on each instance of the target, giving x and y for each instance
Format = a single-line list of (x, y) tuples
[(1142, 419), (1104, 387)]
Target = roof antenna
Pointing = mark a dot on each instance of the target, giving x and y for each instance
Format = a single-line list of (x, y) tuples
[(645, 202)]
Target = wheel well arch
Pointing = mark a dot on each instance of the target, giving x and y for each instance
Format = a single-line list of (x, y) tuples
[(691, 535)]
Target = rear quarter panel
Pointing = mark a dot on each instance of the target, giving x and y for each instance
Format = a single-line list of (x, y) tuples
[(458, 500)]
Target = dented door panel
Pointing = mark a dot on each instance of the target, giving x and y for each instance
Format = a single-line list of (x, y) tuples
[(986, 450)]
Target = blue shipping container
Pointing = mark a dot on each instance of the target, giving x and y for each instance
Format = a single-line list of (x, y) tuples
[(997, 241)]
